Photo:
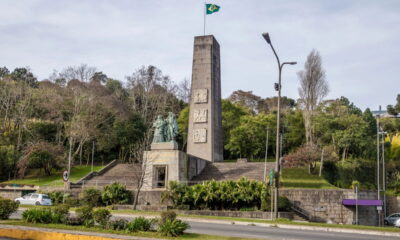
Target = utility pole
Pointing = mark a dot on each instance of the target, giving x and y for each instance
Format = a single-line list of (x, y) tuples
[(92, 154), (383, 175), (378, 155), (266, 156)]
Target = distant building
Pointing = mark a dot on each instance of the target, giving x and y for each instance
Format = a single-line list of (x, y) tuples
[(383, 114)]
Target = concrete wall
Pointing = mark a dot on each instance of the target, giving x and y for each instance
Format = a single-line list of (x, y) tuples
[(325, 205), (195, 166), (10, 194), (393, 204)]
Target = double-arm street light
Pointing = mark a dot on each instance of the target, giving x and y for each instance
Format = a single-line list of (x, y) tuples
[(278, 87)]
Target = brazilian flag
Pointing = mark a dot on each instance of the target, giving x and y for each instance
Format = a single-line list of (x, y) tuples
[(212, 8)]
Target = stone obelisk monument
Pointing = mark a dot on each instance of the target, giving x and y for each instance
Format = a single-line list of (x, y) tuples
[(205, 126)]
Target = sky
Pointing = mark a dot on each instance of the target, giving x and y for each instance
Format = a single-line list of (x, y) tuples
[(358, 40)]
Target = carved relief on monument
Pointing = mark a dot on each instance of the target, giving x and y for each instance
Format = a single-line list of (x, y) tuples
[(200, 115), (200, 95), (200, 135)]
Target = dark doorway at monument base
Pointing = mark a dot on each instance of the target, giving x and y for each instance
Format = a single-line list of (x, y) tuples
[(160, 176)]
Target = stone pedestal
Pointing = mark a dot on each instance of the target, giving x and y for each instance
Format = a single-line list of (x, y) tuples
[(164, 146), (162, 164)]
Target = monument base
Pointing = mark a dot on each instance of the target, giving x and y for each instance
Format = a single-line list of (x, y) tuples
[(163, 166), (164, 146)]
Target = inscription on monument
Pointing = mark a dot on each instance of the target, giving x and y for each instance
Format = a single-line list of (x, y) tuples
[(200, 115), (200, 95), (200, 135)]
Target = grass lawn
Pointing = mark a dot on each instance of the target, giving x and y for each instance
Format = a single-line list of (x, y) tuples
[(35, 178), (300, 178), (138, 234)]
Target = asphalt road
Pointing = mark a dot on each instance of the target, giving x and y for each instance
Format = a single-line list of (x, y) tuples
[(274, 233), (271, 233)]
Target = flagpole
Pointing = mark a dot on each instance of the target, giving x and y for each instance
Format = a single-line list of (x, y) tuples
[(204, 27)]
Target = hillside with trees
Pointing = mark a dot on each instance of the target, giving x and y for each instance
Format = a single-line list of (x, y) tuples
[(80, 114)]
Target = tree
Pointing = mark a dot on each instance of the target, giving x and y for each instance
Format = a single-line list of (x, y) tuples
[(183, 125), (270, 104), (231, 114), (151, 94), (338, 124), (83, 73), (3, 72), (293, 130), (41, 155), (394, 110), (248, 138), (313, 88), (184, 90), (246, 99), (24, 75)]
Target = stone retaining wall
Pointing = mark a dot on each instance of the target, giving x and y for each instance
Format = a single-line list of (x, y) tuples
[(237, 214), (325, 205), (10, 194)]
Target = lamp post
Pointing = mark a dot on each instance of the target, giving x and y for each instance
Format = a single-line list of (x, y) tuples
[(277, 88)]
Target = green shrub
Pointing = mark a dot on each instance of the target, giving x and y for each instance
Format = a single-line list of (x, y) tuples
[(91, 197), (61, 209), (7, 207), (37, 215), (84, 213), (115, 193), (172, 228), (139, 224), (60, 213), (117, 225), (56, 197), (168, 215), (101, 216), (88, 223), (74, 221), (219, 195), (71, 201), (283, 203)]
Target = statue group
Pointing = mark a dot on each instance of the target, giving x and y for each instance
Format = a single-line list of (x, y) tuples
[(165, 130)]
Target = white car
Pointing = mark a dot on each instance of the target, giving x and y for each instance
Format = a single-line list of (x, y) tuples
[(34, 199), (397, 223)]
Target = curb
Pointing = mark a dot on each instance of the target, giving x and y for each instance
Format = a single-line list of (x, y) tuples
[(36, 233)]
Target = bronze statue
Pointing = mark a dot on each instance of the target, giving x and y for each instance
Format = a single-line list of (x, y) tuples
[(165, 130), (172, 128), (159, 129)]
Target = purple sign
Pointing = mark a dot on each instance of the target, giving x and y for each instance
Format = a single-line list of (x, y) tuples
[(361, 202)]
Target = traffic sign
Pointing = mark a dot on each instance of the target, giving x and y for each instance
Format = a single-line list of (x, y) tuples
[(271, 176), (65, 176)]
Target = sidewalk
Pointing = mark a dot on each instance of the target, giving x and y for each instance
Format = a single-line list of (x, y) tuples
[(278, 225)]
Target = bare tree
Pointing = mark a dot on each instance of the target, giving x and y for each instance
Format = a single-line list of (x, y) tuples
[(15, 111), (151, 94), (184, 90), (83, 73), (313, 88)]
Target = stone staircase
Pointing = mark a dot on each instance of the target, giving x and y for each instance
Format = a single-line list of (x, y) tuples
[(233, 171), (123, 173)]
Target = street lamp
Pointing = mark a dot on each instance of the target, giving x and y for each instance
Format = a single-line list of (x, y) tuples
[(278, 87)]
